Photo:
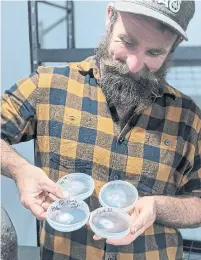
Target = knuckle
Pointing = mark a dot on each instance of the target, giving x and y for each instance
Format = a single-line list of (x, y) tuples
[(43, 183), (24, 202)]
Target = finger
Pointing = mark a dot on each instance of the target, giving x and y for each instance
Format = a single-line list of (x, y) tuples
[(122, 241), (130, 212), (53, 188), (138, 223), (45, 205), (43, 216), (141, 231), (38, 211), (138, 233), (96, 237), (52, 197), (134, 218)]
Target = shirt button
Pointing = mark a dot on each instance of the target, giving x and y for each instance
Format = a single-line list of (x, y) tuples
[(167, 142), (121, 140), (116, 177)]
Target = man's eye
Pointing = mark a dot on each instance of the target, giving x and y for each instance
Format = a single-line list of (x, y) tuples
[(154, 54), (126, 42)]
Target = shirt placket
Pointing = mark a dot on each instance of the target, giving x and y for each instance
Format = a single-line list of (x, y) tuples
[(121, 147)]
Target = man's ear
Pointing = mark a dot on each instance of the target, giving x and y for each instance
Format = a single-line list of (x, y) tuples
[(176, 43), (108, 15)]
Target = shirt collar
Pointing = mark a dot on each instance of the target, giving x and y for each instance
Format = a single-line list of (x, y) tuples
[(168, 90), (90, 66)]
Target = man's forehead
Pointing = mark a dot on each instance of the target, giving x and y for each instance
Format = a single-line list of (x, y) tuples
[(146, 26), (140, 20)]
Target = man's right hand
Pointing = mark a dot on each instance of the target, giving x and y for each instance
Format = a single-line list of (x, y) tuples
[(37, 191)]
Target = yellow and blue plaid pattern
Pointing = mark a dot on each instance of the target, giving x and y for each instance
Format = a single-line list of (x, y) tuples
[(158, 151)]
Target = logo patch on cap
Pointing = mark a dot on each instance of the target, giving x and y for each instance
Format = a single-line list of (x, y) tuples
[(172, 5)]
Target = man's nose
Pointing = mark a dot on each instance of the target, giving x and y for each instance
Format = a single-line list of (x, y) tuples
[(135, 63)]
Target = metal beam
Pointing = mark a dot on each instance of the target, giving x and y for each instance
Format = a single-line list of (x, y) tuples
[(64, 55), (70, 24), (52, 4), (184, 56), (187, 56), (186, 63), (188, 53), (52, 26), (33, 34)]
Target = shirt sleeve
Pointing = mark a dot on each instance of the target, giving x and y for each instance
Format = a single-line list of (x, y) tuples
[(18, 113), (192, 180)]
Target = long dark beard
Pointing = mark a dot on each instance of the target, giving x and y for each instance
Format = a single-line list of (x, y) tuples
[(123, 88)]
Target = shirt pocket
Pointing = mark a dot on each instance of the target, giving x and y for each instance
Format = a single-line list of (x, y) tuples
[(157, 162), (160, 146), (66, 165)]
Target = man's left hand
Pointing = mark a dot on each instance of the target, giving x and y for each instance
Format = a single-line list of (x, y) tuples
[(142, 217)]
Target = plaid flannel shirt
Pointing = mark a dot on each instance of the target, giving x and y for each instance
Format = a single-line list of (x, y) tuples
[(158, 150)]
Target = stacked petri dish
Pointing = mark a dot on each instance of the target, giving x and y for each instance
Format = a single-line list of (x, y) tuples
[(112, 221), (71, 214)]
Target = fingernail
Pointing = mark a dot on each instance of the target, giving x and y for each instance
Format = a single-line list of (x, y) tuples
[(134, 231), (66, 194)]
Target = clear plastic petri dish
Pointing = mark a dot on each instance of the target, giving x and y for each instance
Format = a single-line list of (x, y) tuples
[(68, 215), (118, 194), (80, 186), (110, 223)]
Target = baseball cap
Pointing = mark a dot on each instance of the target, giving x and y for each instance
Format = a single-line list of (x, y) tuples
[(174, 13)]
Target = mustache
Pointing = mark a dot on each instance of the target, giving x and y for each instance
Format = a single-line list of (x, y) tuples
[(120, 68)]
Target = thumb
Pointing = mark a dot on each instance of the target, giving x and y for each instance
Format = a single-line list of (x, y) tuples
[(138, 223), (54, 188)]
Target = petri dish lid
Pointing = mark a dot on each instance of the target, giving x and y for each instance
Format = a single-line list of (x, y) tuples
[(118, 194), (68, 215), (79, 185), (111, 223)]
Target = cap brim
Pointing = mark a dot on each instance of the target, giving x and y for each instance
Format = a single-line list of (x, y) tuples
[(136, 8)]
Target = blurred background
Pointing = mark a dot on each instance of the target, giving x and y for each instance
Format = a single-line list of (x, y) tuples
[(36, 32)]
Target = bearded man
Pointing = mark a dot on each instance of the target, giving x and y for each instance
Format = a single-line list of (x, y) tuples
[(113, 116)]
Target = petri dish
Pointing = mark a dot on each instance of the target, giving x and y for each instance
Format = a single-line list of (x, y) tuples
[(118, 194), (68, 215), (80, 186), (110, 223)]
